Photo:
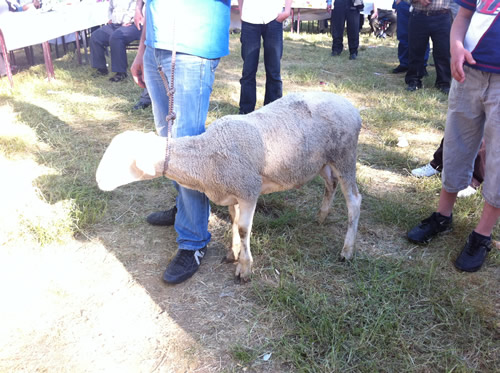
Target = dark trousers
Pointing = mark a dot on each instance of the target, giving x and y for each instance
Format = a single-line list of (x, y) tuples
[(145, 99), (387, 15), (403, 19), (272, 35), (479, 164), (421, 28), (343, 12), (116, 37)]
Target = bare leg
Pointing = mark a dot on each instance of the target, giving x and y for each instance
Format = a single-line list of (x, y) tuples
[(489, 218), (446, 202)]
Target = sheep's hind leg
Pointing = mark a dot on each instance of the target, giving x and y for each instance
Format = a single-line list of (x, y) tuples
[(330, 188), (234, 252), (245, 260), (353, 200)]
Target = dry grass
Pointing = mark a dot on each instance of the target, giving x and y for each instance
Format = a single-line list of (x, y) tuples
[(80, 271)]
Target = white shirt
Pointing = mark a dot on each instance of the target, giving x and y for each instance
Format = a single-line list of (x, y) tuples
[(261, 11), (384, 4)]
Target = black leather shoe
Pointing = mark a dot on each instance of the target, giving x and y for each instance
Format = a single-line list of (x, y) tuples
[(413, 86), (141, 105), (400, 69), (429, 228), (353, 56), (336, 53), (100, 72), (118, 77), (162, 218), (474, 253)]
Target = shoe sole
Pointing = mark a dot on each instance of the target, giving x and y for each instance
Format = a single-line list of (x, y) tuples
[(430, 238), (470, 270)]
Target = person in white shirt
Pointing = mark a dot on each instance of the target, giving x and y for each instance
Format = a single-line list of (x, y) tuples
[(261, 19)]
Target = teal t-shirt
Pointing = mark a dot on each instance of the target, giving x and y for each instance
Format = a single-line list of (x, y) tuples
[(201, 26)]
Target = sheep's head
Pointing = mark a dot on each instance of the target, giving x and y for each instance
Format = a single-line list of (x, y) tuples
[(131, 156)]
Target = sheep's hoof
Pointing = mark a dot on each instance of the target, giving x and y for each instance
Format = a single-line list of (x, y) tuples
[(243, 273), (344, 259), (227, 260), (241, 281)]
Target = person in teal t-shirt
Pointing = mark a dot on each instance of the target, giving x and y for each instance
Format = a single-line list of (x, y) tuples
[(199, 32)]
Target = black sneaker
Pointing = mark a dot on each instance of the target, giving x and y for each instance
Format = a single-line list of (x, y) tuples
[(353, 56), (183, 266), (163, 218), (336, 53), (430, 227), (474, 253)]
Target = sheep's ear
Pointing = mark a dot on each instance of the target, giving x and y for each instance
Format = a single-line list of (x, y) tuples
[(146, 156), (146, 166)]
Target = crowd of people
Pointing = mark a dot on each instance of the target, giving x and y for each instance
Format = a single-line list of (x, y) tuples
[(466, 58)]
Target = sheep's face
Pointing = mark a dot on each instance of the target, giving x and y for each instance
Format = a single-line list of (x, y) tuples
[(131, 156)]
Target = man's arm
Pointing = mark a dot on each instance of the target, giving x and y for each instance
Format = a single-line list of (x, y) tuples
[(286, 12), (137, 68), (139, 17), (240, 6), (460, 55)]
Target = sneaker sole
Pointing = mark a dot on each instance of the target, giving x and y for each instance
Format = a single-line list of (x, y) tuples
[(430, 238), (469, 270)]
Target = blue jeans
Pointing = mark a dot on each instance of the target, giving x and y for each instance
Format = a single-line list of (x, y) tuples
[(117, 37), (272, 34), (194, 77)]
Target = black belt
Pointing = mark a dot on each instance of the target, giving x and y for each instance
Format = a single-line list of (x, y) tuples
[(431, 12)]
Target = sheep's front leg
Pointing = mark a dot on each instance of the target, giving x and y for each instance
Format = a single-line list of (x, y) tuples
[(234, 252), (245, 260)]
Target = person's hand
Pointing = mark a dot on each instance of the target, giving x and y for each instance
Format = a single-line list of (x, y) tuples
[(375, 13), (329, 8), (460, 55), (138, 18), (137, 70), (283, 15), (424, 2), (126, 24)]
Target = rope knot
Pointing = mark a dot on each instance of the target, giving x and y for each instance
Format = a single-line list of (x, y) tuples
[(171, 91), (170, 116)]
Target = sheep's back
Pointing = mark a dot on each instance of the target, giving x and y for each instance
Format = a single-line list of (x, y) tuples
[(291, 139)]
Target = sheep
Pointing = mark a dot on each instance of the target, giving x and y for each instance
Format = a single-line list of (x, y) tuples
[(282, 145)]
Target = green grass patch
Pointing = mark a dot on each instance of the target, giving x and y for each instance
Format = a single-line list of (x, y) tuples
[(388, 316)]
